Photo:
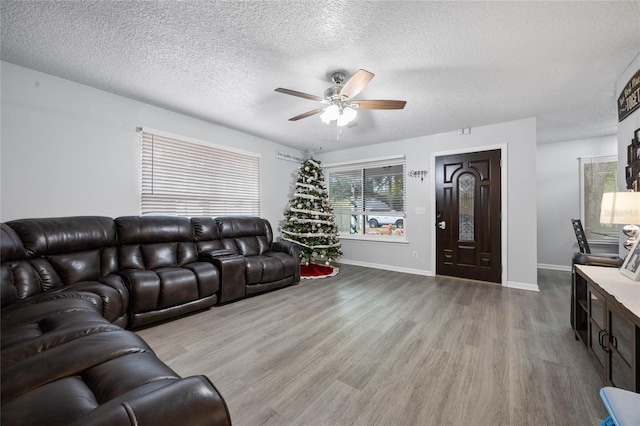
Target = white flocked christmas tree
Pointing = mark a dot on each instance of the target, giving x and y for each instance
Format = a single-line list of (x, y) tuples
[(309, 219)]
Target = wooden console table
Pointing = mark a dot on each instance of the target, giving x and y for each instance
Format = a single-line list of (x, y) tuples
[(607, 321)]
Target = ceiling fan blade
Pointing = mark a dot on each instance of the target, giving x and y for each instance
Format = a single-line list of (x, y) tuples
[(299, 94), (306, 114), (355, 84), (379, 104)]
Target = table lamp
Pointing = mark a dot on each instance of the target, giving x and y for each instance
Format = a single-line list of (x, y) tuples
[(622, 208)]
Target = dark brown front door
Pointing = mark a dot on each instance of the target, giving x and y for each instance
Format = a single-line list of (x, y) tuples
[(468, 216)]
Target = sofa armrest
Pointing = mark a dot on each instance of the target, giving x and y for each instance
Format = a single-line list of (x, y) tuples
[(114, 295), (286, 247), (207, 256), (192, 400)]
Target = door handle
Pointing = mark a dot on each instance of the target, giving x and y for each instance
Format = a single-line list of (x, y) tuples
[(442, 224), (600, 339), (603, 341)]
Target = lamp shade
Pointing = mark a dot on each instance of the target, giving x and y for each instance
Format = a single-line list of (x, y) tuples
[(620, 208), (332, 112), (348, 114)]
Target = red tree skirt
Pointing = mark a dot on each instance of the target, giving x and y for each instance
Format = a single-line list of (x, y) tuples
[(313, 271)]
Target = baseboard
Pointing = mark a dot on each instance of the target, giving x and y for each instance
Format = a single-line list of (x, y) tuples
[(522, 286), (510, 284), (387, 267), (562, 268)]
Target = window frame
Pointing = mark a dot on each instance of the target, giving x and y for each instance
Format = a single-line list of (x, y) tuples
[(362, 165), (582, 162), (215, 165)]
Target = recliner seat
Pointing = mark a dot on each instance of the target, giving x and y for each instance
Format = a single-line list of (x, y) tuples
[(159, 262), (249, 261)]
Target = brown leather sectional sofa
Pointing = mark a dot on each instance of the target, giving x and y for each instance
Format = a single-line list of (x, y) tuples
[(70, 288)]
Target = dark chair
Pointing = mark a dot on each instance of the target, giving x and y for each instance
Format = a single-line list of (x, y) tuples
[(584, 257), (583, 244)]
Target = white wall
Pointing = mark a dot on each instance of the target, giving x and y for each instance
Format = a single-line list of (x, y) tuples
[(559, 197), (68, 149), (520, 138)]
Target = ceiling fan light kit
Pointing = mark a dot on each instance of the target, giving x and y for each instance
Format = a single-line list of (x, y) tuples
[(347, 116), (341, 107), (343, 116), (330, 113)]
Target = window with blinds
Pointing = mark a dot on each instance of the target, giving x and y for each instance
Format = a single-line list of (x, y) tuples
[(190, 179), (368, 198)]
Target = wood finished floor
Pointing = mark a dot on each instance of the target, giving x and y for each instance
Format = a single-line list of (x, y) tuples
[(373, 347)]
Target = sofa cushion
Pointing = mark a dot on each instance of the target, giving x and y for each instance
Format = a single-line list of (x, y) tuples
[(166, 287), (272, 266), (29, 320), (252, 246), (115, 378), (59, 403), (131, 389), (290, 264), (244, 226), (206, 234), (252, 235), (30, 338), (151, 242), (262, 269), (69, 359), (153, 229)]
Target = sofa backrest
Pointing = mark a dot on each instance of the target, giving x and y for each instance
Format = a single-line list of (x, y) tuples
[(152, 242), (63, 251), (251, 236), (207, 234)]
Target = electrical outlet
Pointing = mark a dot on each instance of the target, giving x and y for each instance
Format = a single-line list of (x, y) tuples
[(414, 254)]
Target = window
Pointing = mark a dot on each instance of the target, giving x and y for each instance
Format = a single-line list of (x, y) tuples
[(190, 179), (368, 198), (597, 176), (466, 205)]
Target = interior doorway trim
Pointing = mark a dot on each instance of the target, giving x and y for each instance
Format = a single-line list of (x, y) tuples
[(503, 202)]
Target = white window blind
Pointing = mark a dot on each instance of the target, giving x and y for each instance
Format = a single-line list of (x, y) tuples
[(190, 179), (361, 192)]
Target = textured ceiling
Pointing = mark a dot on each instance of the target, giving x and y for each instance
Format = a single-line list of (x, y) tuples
[(457, 64)]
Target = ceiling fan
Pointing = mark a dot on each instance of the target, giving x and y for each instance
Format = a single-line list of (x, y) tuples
[(340, 105)]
